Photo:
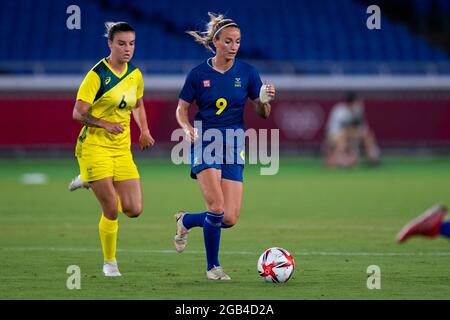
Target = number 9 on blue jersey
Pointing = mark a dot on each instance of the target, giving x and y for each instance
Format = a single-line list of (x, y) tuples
[(221, 103)]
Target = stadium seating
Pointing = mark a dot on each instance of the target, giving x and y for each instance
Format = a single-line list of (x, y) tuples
[(299, 32)]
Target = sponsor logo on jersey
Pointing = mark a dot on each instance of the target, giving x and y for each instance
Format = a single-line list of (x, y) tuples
[(237, 83), (107, 80), (206, 83)]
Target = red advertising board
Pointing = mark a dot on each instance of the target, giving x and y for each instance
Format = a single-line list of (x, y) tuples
[(48, 120)]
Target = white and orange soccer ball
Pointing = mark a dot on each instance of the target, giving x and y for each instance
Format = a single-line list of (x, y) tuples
[(276, 265)]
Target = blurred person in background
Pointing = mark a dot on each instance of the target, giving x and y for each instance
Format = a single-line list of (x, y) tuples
[(345, 132)]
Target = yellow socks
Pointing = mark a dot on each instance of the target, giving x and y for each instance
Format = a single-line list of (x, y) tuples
[(108, 234), (108, 237)]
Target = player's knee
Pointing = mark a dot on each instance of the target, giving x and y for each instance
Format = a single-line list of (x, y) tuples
[(215, 205), (110, 214), (133, 211), (230, 221), (231, 217), (215, 208)]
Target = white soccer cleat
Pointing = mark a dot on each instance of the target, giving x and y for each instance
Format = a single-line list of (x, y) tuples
[(181, 235), (217, 273), (77, 183), (110, 269)]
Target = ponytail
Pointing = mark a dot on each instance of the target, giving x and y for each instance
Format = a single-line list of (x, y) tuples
[(213, 28)]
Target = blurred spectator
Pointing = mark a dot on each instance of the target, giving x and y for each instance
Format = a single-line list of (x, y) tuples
[(347, 130)]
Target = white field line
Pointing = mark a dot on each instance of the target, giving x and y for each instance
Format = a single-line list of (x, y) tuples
[(245, 253)]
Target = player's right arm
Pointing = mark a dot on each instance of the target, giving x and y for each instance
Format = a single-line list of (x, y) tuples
[(186, 98), (85, 98), (182, 115), (81, 114)]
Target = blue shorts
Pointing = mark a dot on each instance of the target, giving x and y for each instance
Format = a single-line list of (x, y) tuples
[(229, 171), (230, 159)]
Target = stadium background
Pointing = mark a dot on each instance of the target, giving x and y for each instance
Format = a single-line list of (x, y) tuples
[(312, 51)]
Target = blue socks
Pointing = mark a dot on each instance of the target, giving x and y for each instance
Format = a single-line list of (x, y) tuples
[(445, 229), (211, 236), (191, 220), (212, 224)]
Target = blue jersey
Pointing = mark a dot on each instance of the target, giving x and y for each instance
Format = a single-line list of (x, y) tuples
[(221, 97)]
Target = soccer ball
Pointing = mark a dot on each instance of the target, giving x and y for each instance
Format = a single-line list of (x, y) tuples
[(276, 265)]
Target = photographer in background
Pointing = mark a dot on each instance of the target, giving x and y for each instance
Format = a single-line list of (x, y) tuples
[(346, 131)]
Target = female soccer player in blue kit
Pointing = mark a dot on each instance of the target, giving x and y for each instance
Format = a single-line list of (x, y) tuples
[(220, 86)]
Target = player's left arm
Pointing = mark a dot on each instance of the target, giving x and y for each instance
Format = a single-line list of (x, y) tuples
[(140, 117), (262, 105)]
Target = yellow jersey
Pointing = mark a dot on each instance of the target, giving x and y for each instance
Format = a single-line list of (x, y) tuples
[(112, 97)]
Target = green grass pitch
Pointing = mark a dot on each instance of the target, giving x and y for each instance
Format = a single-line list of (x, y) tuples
[(335, 223)]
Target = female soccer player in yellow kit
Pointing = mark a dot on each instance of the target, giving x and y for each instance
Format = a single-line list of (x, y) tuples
[(110, 92)]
